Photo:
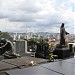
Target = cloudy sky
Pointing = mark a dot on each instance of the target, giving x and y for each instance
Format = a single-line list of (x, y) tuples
[(36, 15)]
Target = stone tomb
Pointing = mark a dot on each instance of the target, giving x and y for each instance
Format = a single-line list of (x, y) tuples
[(20, 47)]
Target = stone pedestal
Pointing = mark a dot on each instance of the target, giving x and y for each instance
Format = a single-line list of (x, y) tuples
[(62, 52)]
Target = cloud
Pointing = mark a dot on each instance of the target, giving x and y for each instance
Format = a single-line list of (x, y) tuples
[(6, 25), (36, 15)]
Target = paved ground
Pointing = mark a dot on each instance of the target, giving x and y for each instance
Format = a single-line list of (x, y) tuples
[(64, 67)]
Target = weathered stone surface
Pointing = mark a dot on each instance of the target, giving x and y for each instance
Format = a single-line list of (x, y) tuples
[(20, 47), (24, 61), (6, 66)]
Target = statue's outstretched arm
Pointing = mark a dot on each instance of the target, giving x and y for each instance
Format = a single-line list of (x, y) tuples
[(66, 33)]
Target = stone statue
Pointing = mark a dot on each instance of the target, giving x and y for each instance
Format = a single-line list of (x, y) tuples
[(6, 48), (62, 50), (6, 45), (62, 35)]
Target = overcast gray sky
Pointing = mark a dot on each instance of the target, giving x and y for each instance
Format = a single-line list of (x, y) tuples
[(36, 15)]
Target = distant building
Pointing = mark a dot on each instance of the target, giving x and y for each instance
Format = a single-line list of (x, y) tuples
[(57, 36)]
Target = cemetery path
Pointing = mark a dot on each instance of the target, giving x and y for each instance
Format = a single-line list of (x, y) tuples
[(19, 66)]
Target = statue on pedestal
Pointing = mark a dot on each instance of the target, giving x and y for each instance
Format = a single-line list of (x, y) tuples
[(62, 35), (61, 50)]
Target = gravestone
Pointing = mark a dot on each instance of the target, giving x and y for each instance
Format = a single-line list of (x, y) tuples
[(21, 47), (42, 51)]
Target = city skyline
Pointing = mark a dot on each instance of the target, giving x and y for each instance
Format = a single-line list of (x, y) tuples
[(37, 15)]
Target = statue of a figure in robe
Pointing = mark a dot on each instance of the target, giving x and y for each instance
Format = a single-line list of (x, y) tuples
[(62, 34)]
